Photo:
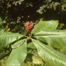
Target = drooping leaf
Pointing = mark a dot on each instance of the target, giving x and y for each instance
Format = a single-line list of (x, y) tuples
[(17, 55), (45, 26), (50, 56), (7, 37), (55, 39)]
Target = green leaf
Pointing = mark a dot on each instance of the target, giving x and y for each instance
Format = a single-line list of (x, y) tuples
[(7, 38), (49, 55), (55, 39), (31, 45), (17, 55), (45, 26)]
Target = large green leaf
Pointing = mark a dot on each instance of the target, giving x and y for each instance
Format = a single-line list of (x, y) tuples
[(50, 56), (17, 55), (45, 26), (7, 37), (55, 39)]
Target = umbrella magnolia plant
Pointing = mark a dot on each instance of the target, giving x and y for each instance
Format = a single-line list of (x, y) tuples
[(45, 38)]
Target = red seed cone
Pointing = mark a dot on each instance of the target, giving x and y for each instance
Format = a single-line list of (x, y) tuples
[(28, 26)]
